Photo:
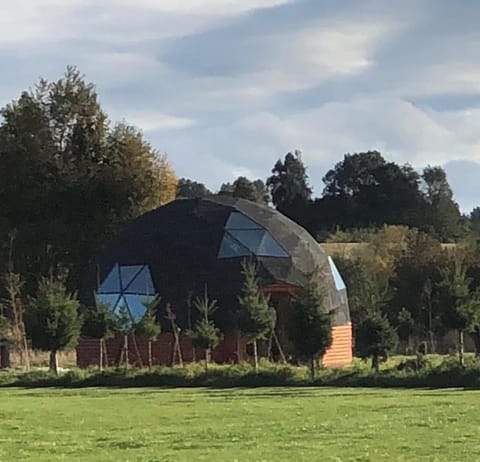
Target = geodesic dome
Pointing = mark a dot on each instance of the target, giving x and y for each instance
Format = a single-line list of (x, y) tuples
[(178, 250)]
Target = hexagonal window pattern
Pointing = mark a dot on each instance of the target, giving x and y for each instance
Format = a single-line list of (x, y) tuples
[(130, 286), (243, 237)]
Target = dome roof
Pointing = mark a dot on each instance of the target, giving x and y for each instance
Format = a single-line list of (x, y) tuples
[(179, 249)]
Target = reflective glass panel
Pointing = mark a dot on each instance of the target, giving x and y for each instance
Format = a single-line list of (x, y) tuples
[(136, 307), (108, 299), (141, 284), (270, 248), (251, 239), (230, 248), (237, 220), (111, 283), (339, 284), (128, 273)]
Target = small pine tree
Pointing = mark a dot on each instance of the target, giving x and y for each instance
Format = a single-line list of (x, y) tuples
[(148, 327), (124, 325), (52, 319), (460, 307), (256, 318), (312, 325), (204, 334), (100, 323), (376, 338)]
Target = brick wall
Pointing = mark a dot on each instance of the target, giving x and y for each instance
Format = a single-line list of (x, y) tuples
[(230, 350), (340, 351)]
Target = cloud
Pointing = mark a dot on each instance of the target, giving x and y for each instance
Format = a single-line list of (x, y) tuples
[(226, 87), (149, 121)]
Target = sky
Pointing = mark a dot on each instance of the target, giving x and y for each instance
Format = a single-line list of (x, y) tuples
[(226, 87)]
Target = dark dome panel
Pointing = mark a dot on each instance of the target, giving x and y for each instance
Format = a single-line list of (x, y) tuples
[(192, 243)]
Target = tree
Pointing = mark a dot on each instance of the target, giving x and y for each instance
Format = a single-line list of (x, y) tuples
[(204, 333), (13, 311), (311, 330), (417, 271), (256, 318), (459, 306), (124, 325), (371, 192), (79, 178), (442, 214), (376, 338), (405, 326), (148, 326), (289, 187), (52, 319), (191, 189), (474, 220), (99, 322), (243, 188)]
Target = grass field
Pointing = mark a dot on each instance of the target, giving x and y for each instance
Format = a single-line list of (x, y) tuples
[(263, 424)]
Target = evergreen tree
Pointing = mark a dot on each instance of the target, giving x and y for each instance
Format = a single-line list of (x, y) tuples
[(375, 338), (148, 326), (100, 323), (311, 325), (289, 187), (256, 318), (124, 325), (204, 333), (460, 307), (52, 319)]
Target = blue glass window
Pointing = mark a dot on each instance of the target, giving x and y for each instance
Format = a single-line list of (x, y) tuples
[(237, 220), (339, 284), (128, 273), (141, 284), (108, 299), (135, 304), (112, 282), (251, 239), (129, 286), (269, 247), (230, 248), (244, 237)]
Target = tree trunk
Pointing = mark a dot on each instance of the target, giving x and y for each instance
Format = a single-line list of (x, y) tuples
[(312, 368), (255, 355), (476, 340), (53, 365), (461, 348), (207, 359), (100, 359), (26, 353), (125, 349), (375, 363), (149, 355)]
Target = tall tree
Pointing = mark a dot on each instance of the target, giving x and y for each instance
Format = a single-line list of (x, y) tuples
[(52, 319), (460, 307), (204, 334), (311, 330), (442, 212), (191, 189), (371, 192), (289, 187), (79, 179), (256, 318)]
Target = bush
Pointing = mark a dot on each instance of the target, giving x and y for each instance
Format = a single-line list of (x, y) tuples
[(433, 372)]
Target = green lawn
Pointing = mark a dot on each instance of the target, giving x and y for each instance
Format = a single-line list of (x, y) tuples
[(265, 424)]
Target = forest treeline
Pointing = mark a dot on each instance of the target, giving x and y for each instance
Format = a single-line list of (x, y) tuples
[(71, 179)]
